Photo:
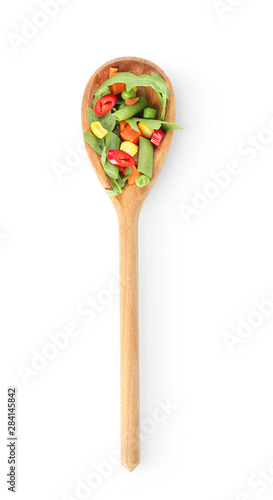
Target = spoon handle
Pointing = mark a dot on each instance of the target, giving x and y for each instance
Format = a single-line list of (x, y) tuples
[(129, 340)]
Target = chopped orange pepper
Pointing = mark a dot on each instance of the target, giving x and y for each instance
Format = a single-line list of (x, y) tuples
[(116, 88), (122, 125), (129, 134), (123, 170), (134, 175), (129, 102), (112, 71)]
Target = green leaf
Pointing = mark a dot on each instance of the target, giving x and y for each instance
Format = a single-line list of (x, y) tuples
[(95, 143), (112, 141), (117, 189), (154, 80), (118, 185), (154, 124), (111, 170), (123, 180), (165, 126), (112, 192), (106, 92), (107, 121), (116, 130), (103, 157)]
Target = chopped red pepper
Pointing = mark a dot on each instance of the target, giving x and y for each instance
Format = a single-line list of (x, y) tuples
[(157, 137), (120, 158), (104, 104)]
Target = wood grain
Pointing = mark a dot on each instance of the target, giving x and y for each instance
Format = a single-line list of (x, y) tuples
[(128, 206), (129, 340)]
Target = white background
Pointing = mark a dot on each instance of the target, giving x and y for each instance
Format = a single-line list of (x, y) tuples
[(59, 246)]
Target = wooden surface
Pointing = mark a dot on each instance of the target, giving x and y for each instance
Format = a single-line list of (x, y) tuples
[(128, 206)]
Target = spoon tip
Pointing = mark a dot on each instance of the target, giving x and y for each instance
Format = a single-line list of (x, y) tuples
[(130, 467)]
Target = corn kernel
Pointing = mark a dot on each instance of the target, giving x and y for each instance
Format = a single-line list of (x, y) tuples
[(145, 130), (134, 89), (98, 130), (129, 147)]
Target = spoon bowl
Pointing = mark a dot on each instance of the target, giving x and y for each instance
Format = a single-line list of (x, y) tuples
[(133, 195), (128, 205)]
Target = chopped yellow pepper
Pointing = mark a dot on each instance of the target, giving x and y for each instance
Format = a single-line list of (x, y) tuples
[(129, 147), (134, 89), (98, 130), (145, 130)]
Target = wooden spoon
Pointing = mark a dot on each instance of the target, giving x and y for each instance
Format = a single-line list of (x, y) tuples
[(128, 206)]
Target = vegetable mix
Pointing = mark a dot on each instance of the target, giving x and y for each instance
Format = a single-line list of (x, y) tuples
[(124, 130)]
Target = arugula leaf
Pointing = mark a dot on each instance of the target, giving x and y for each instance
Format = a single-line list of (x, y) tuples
[(103, 158), (118, 185), (123, 180), (107, 121), (154, 80), (106, 92), (95, 143), (165, 126), (117, 189), (116, 130), (111, 170), (120, 103), (163, 85), (154, 124), (112, 141)]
